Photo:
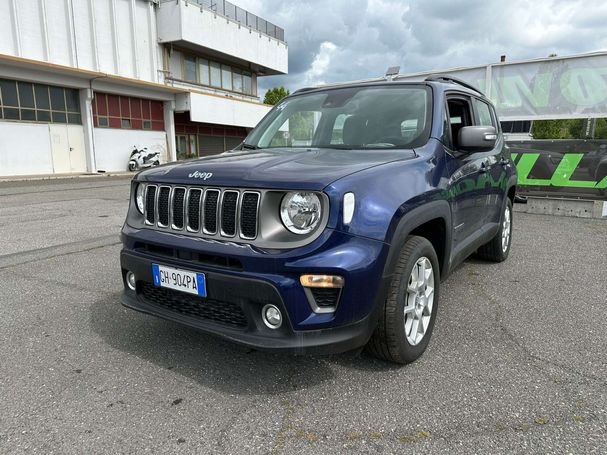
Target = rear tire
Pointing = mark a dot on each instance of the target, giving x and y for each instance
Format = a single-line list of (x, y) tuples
[(407, 319), (498, 248)]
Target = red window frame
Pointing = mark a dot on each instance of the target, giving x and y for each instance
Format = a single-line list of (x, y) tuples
[(127, 112)]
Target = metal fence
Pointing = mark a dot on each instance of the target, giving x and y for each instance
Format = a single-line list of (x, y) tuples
[(241, 16)]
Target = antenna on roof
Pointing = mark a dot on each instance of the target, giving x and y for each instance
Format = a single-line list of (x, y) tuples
[(392, 72)]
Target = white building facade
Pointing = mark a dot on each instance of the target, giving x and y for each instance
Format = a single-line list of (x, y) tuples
[(83, 82)]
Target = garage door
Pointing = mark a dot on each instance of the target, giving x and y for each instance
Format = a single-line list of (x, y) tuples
[(210, 145)]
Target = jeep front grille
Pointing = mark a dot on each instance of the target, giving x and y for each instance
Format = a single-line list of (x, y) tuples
[(212, 212)]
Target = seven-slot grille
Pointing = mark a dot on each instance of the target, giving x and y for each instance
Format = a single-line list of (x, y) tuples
[(210, 211)]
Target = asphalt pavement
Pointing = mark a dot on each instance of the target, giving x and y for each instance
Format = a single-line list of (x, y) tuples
[(517, 361)]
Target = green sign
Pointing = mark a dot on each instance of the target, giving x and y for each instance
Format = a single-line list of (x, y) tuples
[(561, 176)]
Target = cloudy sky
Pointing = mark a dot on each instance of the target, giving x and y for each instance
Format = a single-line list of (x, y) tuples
[(340, 40)]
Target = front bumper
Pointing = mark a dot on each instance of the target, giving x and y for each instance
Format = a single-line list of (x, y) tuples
[(262, 278)]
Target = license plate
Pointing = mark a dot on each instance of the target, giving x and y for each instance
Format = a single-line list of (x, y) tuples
[(179, 280)]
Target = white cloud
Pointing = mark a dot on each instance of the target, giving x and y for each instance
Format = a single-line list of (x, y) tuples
[(317, 73), (355, 39)]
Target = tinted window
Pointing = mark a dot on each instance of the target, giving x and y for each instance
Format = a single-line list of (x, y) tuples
[(57, 99), (43, 116), (72, 100), (28, 115), (9, 92), (42, 101), (38, 102), (26, 95)]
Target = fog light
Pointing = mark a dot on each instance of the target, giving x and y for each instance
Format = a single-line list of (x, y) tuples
[(321, 281), (131, 281), (272, 317)]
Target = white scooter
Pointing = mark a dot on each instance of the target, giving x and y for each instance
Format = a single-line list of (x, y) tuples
[(142, 159)]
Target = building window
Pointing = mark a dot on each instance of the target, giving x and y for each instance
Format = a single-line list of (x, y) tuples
[(237, 81), (226, 77), (189, 68), (203, 71), (125, 112), (246, 83), (39, 103), (215, 74)]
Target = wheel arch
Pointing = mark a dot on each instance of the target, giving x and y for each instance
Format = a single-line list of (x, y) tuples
[(432, 221)]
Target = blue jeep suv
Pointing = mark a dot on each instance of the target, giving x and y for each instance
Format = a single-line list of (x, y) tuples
[(332, 225)]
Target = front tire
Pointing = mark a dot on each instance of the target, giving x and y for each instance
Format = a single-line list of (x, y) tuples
[(498, 248), (407, 319), (132, 167)]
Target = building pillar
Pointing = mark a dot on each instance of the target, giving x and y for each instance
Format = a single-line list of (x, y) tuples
[(86, 109), (169, 124)]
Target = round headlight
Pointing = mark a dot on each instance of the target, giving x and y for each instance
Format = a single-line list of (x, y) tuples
[(300, 212), (140, 198)]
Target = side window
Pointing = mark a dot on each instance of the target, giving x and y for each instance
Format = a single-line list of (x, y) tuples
[(460, 115), (483, 114)]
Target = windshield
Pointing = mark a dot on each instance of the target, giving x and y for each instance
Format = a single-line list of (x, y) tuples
[(364, 117)]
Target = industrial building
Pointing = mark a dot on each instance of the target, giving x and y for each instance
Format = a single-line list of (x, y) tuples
[(82, 82)]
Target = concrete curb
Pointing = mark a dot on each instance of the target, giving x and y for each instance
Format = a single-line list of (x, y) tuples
[(28, 178), (580, 208)]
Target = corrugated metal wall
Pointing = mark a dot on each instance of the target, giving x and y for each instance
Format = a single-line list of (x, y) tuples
[(111, 36)]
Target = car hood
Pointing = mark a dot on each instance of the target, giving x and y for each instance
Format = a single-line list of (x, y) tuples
[(310, 169)]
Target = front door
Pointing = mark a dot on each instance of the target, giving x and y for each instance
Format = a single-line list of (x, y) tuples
[(466, 170), (187, 146)]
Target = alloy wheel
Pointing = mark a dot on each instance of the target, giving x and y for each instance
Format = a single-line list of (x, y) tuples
[(506, 228), (419, 300)]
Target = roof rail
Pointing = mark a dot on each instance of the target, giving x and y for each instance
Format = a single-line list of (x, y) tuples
[(304, 89), (453, 80)]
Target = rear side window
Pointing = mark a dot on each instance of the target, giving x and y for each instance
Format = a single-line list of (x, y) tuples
[(483, 113)]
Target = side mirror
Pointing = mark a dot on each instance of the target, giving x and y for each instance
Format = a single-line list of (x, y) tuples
[(477, 138)]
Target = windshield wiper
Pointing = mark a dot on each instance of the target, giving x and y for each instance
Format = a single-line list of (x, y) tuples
[(249, 146), (336, 147)]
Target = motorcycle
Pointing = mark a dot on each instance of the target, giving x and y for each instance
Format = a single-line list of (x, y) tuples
[(142, 159)]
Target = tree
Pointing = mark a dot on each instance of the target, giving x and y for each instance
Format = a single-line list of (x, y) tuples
[(601, 129), (547, 129), (275, 94)]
